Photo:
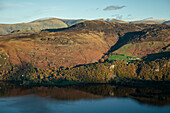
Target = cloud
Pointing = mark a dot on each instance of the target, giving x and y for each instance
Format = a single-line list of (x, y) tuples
[(6, 18), (1, 5), (1, 8), (112, 7), (124, 17), (118, 16), (13, 19), (4, 5), (17, 4), (47, 10), (129, 17)]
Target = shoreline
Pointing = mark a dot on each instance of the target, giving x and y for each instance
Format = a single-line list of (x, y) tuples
[(125, 83)]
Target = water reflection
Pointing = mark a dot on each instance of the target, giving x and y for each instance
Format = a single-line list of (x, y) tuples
[(82, 98), (156, 97), (24, 104)]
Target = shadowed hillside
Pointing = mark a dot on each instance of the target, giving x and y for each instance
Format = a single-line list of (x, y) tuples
[(140, 43)]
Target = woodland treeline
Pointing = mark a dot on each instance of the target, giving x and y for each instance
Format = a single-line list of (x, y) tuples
[(158, 70)]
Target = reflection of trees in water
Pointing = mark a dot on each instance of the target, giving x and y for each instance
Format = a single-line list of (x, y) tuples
[(151, 96), (60, 93)]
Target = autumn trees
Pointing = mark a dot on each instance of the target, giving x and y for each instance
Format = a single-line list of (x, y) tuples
[(96, 72)]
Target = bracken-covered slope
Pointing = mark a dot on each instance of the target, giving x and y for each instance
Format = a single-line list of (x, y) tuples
[(82, 43)]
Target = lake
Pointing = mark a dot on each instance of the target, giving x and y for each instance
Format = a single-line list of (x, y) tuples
[(87, 98)]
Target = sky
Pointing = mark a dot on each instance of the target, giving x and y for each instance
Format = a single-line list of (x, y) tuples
[(18, 11)]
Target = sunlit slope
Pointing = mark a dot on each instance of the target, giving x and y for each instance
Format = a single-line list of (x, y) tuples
[(82, 43), (37, 25)]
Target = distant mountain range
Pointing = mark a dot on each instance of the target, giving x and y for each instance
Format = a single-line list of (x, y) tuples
[(56, 23), (37, 25), (112, 20), (152, 21)]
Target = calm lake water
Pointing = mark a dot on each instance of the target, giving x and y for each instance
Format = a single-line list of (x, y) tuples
[(82, 99)]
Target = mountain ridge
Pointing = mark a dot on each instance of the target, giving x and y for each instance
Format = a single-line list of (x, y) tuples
[(57, 23), (151, 21)]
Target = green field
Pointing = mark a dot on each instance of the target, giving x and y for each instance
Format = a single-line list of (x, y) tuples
[(121, 57), (116, 57)]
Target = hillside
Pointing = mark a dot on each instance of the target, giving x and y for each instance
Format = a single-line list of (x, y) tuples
[(37, 25), (82, 53), (71, 22), (167, 22), (83, 43), (141, 43)]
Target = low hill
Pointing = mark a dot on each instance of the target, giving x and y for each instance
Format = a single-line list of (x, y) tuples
[(37, 25)]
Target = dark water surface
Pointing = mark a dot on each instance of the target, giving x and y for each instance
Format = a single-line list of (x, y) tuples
[(103, 98)]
